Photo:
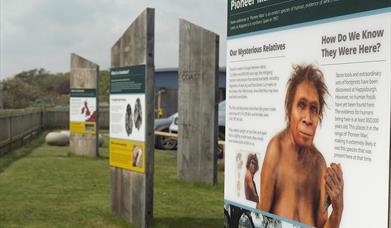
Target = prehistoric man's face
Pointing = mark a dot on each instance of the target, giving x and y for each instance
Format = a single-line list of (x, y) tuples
[(304, 114), (252, 166)]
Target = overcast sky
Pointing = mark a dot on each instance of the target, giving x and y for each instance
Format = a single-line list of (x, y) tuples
[(43, 33)]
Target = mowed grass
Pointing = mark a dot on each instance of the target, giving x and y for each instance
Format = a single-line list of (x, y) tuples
[(45, 186)]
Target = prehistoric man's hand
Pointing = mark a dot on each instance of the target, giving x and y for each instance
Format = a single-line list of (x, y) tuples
[(334, 186)]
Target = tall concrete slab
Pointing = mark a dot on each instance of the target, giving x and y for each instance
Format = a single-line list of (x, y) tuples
[(132, 192), (197, 103), (84, 76)]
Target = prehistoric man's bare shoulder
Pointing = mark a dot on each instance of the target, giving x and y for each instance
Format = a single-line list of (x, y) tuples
[(274, 148), (248, 177), (319, 158)]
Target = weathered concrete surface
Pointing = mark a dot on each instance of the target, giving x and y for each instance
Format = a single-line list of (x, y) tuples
[(197, 103), (132, 192), (84, 75)]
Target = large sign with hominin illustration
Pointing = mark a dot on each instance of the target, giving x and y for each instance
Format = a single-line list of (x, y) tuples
[(308, 113)]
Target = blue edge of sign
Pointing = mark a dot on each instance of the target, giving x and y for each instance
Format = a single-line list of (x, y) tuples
[(228, 202)]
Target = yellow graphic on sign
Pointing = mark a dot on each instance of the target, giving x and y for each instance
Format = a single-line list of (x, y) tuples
[(82, 127), (127, 155)]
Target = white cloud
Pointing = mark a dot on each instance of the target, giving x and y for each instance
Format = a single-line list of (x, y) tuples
[(43, 33)]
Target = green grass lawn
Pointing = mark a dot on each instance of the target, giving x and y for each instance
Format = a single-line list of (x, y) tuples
[(45, 186)]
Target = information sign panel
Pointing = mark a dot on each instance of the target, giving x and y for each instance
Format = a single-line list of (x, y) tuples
[(127, 118), (82, 111), (308, 113)]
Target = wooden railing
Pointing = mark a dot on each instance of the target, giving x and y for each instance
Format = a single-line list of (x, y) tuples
[(17, 126), (174, 135)]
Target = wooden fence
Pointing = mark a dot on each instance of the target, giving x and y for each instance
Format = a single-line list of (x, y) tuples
[(17, 126), (60, 118)]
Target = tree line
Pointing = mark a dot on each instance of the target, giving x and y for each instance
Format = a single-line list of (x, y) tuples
[(41, 88)]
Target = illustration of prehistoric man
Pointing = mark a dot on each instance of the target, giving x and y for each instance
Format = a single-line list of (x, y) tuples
[(250, 188), (295, 180)]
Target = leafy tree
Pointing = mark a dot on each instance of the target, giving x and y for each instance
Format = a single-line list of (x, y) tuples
[(104, 86), (18, 94), (40, 87)]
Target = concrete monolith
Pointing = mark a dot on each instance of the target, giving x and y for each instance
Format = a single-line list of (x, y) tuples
[(197, 103), (132, 191), (84, 107)]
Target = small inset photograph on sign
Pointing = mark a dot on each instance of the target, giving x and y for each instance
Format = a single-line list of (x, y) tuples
[(247, 176), (137, 154), (138, 114), (128, 120), (90, 127), (252, 167)]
